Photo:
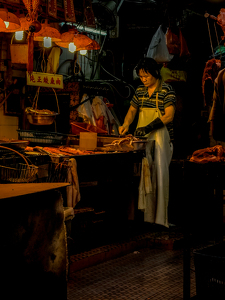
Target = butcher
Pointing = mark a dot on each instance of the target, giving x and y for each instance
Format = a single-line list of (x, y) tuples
[(155, 103)]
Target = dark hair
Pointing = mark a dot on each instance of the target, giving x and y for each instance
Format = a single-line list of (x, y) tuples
[(149, 65)]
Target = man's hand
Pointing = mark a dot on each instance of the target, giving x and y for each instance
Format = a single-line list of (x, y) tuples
[(128, 120), (140, 131), (123, 129), (155, 124)]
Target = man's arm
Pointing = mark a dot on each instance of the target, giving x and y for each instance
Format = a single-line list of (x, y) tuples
[(169, 115), (128, 120), (157, 123)]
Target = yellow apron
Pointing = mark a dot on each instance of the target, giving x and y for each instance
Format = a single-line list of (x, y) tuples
[(162, 158)]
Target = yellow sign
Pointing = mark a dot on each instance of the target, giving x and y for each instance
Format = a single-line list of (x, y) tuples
[(45, 80)]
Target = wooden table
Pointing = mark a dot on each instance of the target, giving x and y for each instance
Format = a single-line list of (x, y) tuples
[(33, 244)]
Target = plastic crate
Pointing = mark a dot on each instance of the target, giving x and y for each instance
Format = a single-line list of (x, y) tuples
[(41, 137), (210, 272)]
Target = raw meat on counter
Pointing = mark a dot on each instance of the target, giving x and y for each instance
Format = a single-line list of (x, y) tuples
[(60, 151), (209, 154), (123, 144)]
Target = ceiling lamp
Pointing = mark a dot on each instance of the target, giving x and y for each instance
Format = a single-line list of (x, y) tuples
[(24, 26), (47, 34), (93, 46), (72, 36), (2, 25), (83, 52), (24, 23), (11, 21)]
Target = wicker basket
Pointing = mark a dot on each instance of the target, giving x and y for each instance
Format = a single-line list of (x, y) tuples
[(20, 173)]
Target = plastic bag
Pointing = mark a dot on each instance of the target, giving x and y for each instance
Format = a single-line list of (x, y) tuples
[(158, 49), (85, 111), (172, 42), (103, 116), (183, 46), (176, 43)]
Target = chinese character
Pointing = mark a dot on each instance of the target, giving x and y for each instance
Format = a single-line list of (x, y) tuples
[(46, 80), (58, 81), (32, 78), (39, 79), (52, 80)]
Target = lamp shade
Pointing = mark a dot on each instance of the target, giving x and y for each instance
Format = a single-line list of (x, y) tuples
[(11, 21), (47, 31), (92, 46), (2, 25), (73, 36)]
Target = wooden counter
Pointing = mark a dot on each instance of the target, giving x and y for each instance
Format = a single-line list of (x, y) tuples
[(18, 189)]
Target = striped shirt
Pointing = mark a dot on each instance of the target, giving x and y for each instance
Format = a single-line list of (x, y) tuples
[(166, 97)]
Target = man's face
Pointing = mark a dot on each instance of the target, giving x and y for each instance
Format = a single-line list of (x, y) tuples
[(146, 78)]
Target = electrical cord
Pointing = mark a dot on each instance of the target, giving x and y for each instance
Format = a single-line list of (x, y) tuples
[(113, 87), (75, 63), (127, 84), (98, 60)]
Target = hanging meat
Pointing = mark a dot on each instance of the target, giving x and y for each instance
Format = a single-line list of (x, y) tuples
[(210, 73), (221, 21)]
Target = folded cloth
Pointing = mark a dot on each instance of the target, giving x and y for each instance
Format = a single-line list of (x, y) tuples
[(73, 191)]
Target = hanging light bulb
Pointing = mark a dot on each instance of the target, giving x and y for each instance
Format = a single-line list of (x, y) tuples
[(19, 35), (25, 24), (47, 34), (83, 52), (72, 48), (47, 42)]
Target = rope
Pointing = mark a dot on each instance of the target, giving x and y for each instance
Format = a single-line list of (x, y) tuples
[(56, 100), (43, 62), (218, 41), (37, 96), (210, 37)]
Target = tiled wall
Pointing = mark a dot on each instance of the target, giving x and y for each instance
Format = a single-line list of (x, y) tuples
[(8, 126)]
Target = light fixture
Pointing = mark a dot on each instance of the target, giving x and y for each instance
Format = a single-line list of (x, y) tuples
[(93, 46), (47, 42), (73, 36), (19, 35), (47, 34), (83, 52), (24, 26), (72, 48), (11, 21)]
